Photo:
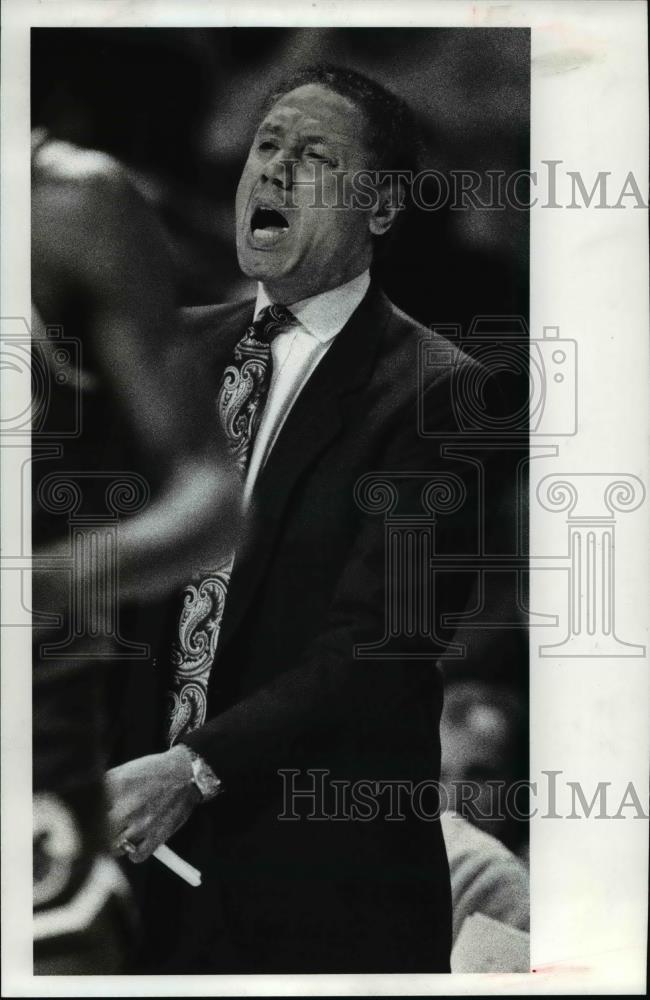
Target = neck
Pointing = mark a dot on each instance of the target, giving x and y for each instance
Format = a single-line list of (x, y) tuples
[(288, 292)]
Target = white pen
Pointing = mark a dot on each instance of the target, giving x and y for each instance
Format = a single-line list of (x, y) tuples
[(176, 864)]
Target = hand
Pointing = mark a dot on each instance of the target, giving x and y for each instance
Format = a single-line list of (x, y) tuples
[(149, 799)]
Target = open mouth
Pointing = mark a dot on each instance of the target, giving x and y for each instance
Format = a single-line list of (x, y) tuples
[(268, 224)]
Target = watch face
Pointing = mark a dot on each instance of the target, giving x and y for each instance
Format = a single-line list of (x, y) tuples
[(206, 782)]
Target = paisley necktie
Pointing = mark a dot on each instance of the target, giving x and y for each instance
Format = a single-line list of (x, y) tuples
[(240, 404)]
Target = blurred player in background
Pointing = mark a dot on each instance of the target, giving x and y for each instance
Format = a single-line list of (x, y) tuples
[(100, 269)]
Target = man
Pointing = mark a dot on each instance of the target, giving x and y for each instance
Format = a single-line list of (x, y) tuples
[(290, 691)]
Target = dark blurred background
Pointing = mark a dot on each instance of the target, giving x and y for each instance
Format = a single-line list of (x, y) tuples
[(179, 107)]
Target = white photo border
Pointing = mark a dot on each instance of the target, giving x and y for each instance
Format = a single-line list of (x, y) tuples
[(589, 278)]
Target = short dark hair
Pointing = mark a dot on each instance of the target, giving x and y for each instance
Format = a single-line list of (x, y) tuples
[(392, 137)]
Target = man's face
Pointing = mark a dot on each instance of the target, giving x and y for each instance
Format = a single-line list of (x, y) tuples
[(290, 235)]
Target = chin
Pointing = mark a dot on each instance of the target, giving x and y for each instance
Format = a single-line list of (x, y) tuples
[(260, 268)]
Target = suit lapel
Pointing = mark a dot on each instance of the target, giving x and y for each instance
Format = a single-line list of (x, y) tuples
[(315, 419)]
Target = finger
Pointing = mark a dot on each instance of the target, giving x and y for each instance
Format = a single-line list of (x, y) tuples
[(124, 815), (116, 826), (122, 847), (119, 849), (141, 851), (127, 843), (120, 809)]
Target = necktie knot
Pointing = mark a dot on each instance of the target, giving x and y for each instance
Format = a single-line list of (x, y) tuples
[(271, 321)]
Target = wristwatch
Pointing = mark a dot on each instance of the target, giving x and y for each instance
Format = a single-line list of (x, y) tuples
[(203, 776)]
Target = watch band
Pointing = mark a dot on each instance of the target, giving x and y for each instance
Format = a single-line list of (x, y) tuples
[(203, 776)]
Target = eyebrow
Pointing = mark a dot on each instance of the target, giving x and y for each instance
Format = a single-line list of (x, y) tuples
[(317, 138), (267, 127), (313, 138)]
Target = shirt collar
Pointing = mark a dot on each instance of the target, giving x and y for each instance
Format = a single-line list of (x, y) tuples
[(324, 315)]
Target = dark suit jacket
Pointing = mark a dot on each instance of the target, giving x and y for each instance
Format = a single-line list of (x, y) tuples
[(290, 691)]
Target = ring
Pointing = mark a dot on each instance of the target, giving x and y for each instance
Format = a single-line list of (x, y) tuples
[(126, 845)]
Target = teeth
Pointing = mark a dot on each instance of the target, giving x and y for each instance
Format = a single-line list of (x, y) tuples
[(268, 235)]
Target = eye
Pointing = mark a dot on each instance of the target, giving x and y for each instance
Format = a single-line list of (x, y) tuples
[(266, 144), (316, 154)]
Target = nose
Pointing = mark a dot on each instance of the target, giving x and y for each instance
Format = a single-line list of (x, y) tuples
[(279, 170)]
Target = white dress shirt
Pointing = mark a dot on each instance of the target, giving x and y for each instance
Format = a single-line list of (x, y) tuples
[(295, 353)]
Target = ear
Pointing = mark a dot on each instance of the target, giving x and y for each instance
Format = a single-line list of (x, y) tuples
[(390, 199)]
